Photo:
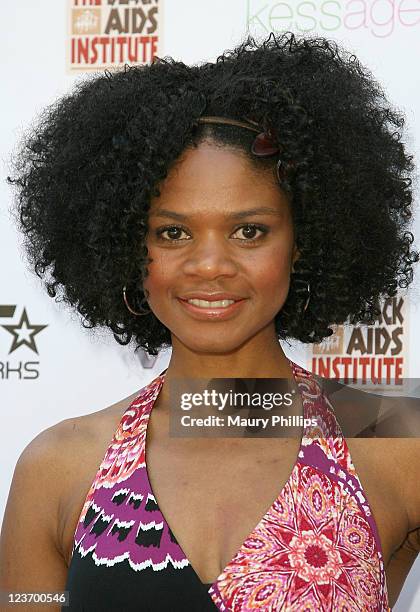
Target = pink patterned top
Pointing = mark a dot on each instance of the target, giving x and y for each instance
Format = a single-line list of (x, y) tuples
[(316, 549)]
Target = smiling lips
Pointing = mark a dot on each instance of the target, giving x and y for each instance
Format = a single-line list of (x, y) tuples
[(215, 305), (210, 304), (215, 300)]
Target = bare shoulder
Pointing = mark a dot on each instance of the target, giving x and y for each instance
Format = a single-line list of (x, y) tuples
[(50, 478), (73, 434), (77, 440), (386, 430), (57, 454), (368, 414)]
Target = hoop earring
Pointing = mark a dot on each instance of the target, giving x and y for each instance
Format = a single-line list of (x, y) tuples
[(138, 314), (309, 297)]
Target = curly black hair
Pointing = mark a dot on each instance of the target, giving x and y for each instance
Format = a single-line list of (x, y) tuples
[(85, 175)]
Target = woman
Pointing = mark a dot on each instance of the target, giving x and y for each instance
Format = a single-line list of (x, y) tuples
[(217, 209)]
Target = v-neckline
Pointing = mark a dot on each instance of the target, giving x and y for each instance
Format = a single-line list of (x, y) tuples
[(160, 380)]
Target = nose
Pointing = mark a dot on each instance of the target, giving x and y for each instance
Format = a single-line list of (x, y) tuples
[(210, 257)]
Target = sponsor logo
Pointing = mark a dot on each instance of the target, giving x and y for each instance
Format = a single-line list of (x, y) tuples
[(379, 18), (111, 33), (373, 356), (22, 333)]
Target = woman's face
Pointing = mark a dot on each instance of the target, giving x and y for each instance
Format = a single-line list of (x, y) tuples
[(219, 227)]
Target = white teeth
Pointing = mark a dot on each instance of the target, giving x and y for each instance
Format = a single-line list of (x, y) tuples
[(206, 304)]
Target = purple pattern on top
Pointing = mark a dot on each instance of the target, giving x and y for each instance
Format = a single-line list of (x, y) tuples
[(321, 508)]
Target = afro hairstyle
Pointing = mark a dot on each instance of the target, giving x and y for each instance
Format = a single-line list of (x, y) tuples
[(86, 171)]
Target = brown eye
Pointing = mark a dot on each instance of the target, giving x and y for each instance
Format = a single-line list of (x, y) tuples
[(173, 233), (249, 232)]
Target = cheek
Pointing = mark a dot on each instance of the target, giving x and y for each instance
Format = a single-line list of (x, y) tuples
[(160, 272), (270, 270)]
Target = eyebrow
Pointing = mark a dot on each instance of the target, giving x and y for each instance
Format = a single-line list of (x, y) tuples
[(263, 210)]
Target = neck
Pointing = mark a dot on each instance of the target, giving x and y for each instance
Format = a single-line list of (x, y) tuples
[(259, 358)]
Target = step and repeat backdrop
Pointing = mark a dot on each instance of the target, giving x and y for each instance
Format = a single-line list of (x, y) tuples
[(50, 367)]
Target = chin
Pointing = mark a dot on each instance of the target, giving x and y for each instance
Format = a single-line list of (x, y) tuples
[(207, 344)]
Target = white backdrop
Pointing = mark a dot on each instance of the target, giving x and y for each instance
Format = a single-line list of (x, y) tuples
[(72, 371)]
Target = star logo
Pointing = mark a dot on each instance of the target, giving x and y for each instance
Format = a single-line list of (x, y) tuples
[(23, 333)]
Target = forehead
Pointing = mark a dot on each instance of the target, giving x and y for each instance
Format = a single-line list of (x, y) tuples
[(221, 176)]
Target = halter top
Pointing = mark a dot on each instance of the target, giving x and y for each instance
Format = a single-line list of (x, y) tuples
[(316, 548)]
